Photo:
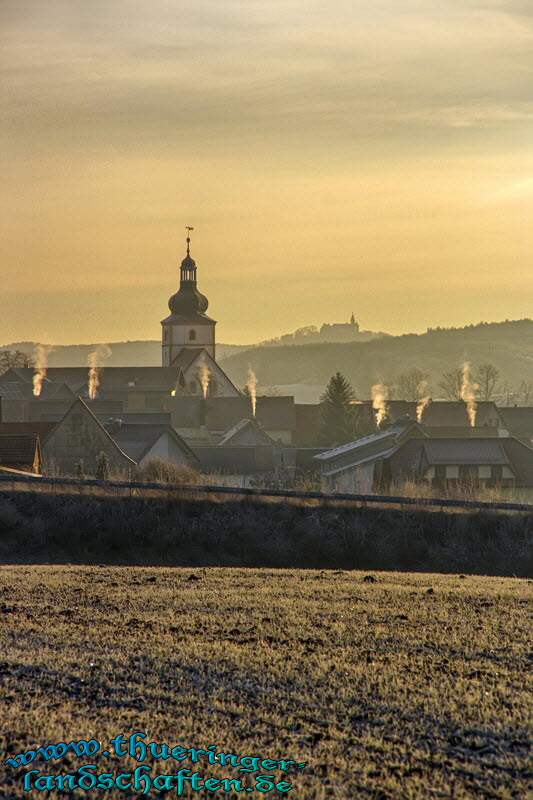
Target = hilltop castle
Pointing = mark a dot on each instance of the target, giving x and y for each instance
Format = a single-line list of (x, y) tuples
[(340, 331)]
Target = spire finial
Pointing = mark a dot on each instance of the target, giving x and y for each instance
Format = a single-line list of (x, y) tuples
[(188, 229)]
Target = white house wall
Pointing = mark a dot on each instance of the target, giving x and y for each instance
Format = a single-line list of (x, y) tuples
[(167, 449)]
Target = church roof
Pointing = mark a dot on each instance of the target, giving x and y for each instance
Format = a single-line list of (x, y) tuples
[(185, 357)]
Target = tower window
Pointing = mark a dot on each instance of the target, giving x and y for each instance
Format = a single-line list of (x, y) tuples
[(192, 335)]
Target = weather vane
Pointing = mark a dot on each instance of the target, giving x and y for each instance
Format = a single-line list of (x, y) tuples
[(188, 229)]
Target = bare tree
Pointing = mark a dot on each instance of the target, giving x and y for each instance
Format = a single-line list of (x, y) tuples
[(14, 358), (412, 385), (451, 384), (487, 381), (506, 394), (525, 390)]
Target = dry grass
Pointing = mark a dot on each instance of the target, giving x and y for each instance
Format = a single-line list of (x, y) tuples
[(180, 530), (385, 689)]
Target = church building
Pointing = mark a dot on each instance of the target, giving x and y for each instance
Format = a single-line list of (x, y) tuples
[(188, 338)]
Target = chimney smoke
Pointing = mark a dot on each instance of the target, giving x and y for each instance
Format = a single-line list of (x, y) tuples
[(379, 402), (95, 358), (41, 362), (251, 384), (468, 393)]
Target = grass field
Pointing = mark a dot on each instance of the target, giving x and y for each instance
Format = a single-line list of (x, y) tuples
[(409, 686)]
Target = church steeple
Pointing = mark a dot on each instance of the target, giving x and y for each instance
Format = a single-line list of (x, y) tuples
[(188, 265), (188, 326)]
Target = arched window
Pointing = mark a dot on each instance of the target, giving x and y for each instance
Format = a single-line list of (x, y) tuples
[(192, 335)]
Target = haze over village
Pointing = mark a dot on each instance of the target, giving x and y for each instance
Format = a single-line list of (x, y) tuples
[(266, 398)]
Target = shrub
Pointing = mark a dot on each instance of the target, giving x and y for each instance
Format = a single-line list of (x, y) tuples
[(157, 470)]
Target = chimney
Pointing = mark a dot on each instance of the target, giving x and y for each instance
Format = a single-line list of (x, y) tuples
[(114, 425)]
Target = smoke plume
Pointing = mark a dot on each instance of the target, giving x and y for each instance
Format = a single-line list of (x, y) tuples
[(42, 352), (379, 402), (423, 402), (203, 375), (468, 393), (251, 385), (95, 360)]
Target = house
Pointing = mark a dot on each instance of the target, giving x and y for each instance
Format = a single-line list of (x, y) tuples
[(247, 432), (80, 437), (17, 394), (519, 422), (502, 462), (306, 424), (448, 417), (55, 410), (20, 451), (206, 421), (238, 466), (141, 442), (356, 467)]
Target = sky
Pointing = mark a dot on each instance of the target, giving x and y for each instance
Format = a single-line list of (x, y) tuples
[(372, 156)]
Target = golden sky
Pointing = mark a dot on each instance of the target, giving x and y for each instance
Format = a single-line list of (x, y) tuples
[(372, 156)]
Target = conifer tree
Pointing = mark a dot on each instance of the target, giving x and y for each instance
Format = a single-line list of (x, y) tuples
[(337, 412)]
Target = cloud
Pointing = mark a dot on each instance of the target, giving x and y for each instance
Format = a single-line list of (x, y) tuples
[(119, 73)]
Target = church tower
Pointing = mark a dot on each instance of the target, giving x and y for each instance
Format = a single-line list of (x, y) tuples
[(188, 327)]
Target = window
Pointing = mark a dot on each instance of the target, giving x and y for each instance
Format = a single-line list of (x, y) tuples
[(496, 472), (192, 335), (440, 472)]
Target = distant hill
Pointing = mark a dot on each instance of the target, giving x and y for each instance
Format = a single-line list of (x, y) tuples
[(509, 345), (144, 353), (294, 366), (123, 354)]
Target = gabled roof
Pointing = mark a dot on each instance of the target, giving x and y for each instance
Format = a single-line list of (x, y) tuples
[(236, 460), (272, 413), (17, 375), (137, 440), (15, 391), (240, 427), (18, 448), (136, 417), (223, 413), (42, 429), (518, 419), (464, 451), (445, 412), (370, 448), (379, 439), (414, 455), (85, 409), (55, 410), (111, 378)]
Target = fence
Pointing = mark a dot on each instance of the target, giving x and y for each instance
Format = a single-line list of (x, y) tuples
[(131, 488)]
